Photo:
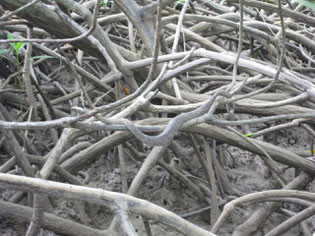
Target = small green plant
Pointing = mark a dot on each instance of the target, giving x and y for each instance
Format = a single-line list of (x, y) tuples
[(179, 2), (307, 3), (106, 3), (16, 49), (256, 54), (248, 135)]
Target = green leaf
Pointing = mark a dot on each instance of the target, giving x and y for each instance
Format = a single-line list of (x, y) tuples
[(20, 45), (39, 57), (180, 2), (106, 3), (13, 45), (256, 54), (307, 3), (16, 46), (248, 135)]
